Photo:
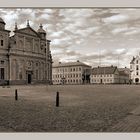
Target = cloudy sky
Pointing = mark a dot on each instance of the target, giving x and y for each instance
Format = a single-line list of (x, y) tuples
[(97, 36)]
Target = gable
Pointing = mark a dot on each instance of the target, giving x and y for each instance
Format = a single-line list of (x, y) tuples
[(137, 58), (29, 31), (116, 71)]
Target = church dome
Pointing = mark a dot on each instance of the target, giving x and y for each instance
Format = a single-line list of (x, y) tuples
[(2, 21), (41, 30)]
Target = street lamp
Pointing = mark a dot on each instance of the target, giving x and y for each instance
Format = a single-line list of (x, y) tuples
[(63, 78), (85, 76)]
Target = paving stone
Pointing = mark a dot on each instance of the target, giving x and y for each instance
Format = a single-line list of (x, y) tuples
[(129, 124), (136, 111)]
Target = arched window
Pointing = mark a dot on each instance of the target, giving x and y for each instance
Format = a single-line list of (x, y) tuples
[(1, 40), (137, 67)]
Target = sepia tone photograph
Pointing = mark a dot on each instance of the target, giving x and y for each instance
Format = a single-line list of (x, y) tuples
[(69, 69)]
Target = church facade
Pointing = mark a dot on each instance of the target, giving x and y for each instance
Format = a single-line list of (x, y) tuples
[(25, 57)]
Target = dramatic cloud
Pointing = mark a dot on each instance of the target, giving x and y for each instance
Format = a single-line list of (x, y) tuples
[(96, 36), (116, 19)]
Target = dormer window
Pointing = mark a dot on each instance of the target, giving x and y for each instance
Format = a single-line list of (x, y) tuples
[(1, 42)]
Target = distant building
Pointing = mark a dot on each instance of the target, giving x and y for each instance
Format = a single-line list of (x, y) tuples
[(71, 73), (108, 75), (124, 75), (103, 75), (135, 69)]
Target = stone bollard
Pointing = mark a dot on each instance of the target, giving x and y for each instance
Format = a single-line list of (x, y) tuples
[(57, 99), (16, 95)]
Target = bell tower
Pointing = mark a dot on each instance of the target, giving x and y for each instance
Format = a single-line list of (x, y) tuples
[(41, 32)]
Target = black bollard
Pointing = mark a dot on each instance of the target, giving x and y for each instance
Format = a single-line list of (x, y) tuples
[(16, 95), (57, 99)]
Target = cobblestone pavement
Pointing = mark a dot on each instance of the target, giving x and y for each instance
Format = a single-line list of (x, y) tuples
[(129, 124), (83, 108)]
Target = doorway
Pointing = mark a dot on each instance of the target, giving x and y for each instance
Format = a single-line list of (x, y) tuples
[(137, 80), (101, 81), (29, 78)]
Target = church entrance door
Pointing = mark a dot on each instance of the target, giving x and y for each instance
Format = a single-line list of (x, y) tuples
[(29, 78), (101, 81), (137, 80)]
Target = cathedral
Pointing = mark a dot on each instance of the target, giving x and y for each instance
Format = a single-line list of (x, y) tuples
[(25, 57)]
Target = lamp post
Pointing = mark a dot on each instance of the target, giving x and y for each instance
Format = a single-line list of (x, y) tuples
[(9, 66), (63, 77), (85, 76)]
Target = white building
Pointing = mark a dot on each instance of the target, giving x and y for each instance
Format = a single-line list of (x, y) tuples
[(124, 75), (71, 73), (103, 75), (135, 69), (109, 75)]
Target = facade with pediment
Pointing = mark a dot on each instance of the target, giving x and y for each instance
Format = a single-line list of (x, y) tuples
[(25, 57)]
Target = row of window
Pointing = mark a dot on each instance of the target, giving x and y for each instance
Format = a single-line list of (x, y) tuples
[(67, 75), (30, 47), (68, 81), (104, 75), (137, 67), (137, 62), (37, 75), (69, 69), (102, 80)]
